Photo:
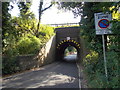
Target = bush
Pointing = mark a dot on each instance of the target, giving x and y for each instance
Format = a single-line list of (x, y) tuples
[(94, 68), (91, 58), (9, 65), (28, 45)]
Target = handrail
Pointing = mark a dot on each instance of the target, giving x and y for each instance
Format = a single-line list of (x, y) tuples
[(62, 24)]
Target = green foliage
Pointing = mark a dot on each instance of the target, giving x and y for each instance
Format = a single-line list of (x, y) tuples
[(46, 31), (94, 68), (66, 52), (19, 35), (25, 10), (94, 62), (91, 58), (28, 45), (9, 65), (5, 21), (94, 42), (69, 50)]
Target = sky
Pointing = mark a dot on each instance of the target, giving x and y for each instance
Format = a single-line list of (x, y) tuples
[(51, 15)]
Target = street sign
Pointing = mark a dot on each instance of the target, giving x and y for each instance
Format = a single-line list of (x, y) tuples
[(102, 23), (68, 38), (103, 26)]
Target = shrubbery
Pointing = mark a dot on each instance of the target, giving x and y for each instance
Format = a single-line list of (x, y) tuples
[(94, 61), (20, 35), (29, 45), (9, 65), (24, 45), (94, 68)]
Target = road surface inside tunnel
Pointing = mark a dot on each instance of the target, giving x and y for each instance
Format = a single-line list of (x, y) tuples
[(59, 74), (71, 58)]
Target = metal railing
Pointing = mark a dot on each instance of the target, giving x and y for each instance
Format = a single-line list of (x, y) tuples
[(63, 24)]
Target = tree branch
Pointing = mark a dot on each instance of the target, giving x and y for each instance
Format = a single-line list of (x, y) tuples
[(46, 8)]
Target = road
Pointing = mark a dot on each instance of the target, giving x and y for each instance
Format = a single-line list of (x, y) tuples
[(55, 75), (71, 58)]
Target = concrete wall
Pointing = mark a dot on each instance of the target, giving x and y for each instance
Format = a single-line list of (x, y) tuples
[(26, 62), (47, 53)]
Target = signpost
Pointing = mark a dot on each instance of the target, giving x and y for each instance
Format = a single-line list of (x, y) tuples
[(102, 23), (102, 26)]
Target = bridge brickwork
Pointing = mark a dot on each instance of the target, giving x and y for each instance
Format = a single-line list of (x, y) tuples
[(75, 40), (63, 33)]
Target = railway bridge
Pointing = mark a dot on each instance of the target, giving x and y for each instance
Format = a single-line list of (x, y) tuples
[(69, 36)]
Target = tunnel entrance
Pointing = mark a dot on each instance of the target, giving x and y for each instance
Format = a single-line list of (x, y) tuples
[(70, 54), (68, 49)]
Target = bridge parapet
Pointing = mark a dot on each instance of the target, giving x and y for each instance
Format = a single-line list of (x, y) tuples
[(63, 33)]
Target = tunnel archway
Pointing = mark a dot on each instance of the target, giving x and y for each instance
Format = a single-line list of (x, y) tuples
[(61, 47)]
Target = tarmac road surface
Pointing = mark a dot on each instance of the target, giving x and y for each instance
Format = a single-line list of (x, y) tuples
[(56, 75)]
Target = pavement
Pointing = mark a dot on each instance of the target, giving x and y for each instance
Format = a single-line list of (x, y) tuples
[(55, 75)]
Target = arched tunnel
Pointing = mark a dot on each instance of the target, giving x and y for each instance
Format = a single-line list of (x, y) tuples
[(61, 47)]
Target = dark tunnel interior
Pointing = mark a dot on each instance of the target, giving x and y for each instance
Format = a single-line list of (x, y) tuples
[(63, 45)]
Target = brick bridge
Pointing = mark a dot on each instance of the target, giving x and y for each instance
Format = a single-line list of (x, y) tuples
[(65, 37)]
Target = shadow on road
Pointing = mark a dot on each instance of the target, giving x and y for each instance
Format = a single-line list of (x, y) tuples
[(56, 75)]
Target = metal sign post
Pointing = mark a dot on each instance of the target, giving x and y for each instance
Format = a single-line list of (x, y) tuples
[(105, 63), (102, 27)]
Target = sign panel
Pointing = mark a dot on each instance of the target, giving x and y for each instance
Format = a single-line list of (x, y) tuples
[(68, 38), (102, 23)]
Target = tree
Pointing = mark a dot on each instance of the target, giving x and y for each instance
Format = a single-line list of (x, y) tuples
[(93, 64), (25, 12), (41, 10), (6, 26), (26, 15), (26, 22)]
